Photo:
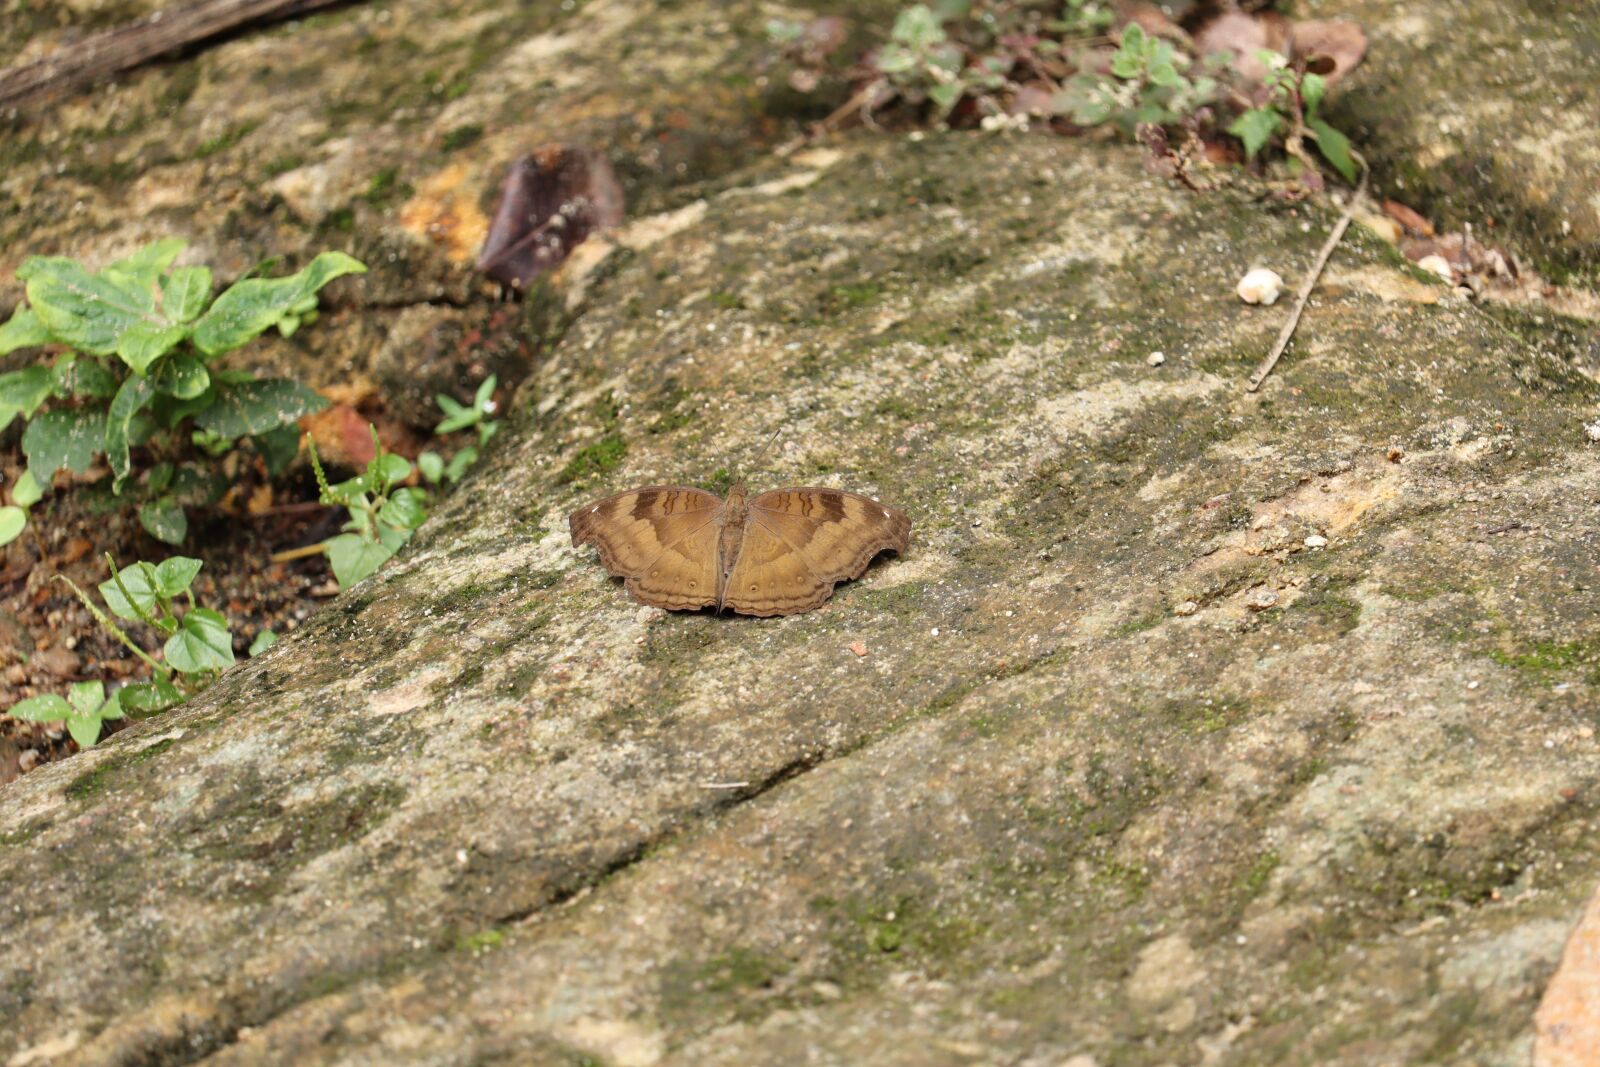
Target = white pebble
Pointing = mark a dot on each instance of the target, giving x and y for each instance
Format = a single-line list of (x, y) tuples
[(1155, 359), (1437, 264), (1187, 608), (935, 631), (1260, 286), (1593, 430), (1316, 541)]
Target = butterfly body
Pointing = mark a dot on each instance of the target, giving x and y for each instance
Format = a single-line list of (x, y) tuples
[(778, 553)]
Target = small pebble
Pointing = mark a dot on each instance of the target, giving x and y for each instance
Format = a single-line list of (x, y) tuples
[(1155, 359), (1437, 264), (1261, 600), (1187, 608), (858, 648), (1316, 541), (935, 631), (1260, 286), (1472, 685), (1593, 430)]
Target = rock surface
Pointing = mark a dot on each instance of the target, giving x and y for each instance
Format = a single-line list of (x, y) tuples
[(1476, 111), (1128, 772)]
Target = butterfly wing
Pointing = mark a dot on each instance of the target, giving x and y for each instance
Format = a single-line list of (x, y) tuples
[(800, 543), (662, 539)]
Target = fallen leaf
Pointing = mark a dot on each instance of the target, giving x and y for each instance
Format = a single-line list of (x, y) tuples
[(1408, 218), (1341, 41), (551, 200)]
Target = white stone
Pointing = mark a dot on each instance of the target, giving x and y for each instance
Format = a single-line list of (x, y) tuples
[(1260, 286), (1155, 359), (1437, 264), (1316, 541)]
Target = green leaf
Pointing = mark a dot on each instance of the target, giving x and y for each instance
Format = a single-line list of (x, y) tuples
[(258, 406), (431, 464), (46, 707), (405, 510), (13, 520), (26, 492), (184, 293), (1312, 89), (895, 59), (134, 394), (59, 439), (143, 699), (918, 27), (22, 391), (164, 519), (85, 729), (86, 377), (264, 640), (945, 96), (1335, 147), (1255, 128), (277, 448), (353, 557), (483, 399), (182, 376), (23, 330), (140, 582), (145, 342), (248, 307), (159, 478), (87, 311), (175, 574), (457, 416), (386, 469), (148, 264), (112, 708), (86, 697), (459, 463), (202, 643)]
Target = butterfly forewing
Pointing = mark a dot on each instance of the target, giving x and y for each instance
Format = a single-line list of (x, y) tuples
[(662, 539)]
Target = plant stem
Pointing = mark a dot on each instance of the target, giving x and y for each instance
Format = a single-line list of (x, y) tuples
[(299, 553)]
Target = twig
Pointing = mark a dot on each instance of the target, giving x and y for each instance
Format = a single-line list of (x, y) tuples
[(1306, 286), (137, 43), (838, 115), (302, 552)]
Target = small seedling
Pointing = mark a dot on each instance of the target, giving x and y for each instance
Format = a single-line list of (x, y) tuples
[(140, 340), (83, 709), (383, 516), (198, 647), (14, 516), (460, 417)]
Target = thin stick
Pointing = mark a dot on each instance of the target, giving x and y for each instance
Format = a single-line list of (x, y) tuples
[(837, 116), (298, 553), (137, 43), (1306, 286)]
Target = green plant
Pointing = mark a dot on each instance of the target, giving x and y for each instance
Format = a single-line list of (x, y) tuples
[(141, 339), (1291, 110), (1150, 82), (83, 709), (198, 647), (458, 417), (14, 516), (383, 516), (1077, 64)]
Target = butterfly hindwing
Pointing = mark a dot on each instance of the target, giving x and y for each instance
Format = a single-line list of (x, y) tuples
[(662, 539)]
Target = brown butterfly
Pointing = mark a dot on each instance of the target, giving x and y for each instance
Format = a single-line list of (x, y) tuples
[(775, 554)]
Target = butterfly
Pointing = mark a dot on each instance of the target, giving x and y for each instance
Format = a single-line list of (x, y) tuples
[(775, 554)]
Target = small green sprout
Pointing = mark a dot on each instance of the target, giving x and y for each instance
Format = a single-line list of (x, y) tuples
[(83, 709), (460, 417), (383, 516)]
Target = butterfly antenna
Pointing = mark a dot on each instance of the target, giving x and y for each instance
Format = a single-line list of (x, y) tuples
[(755, 464)]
